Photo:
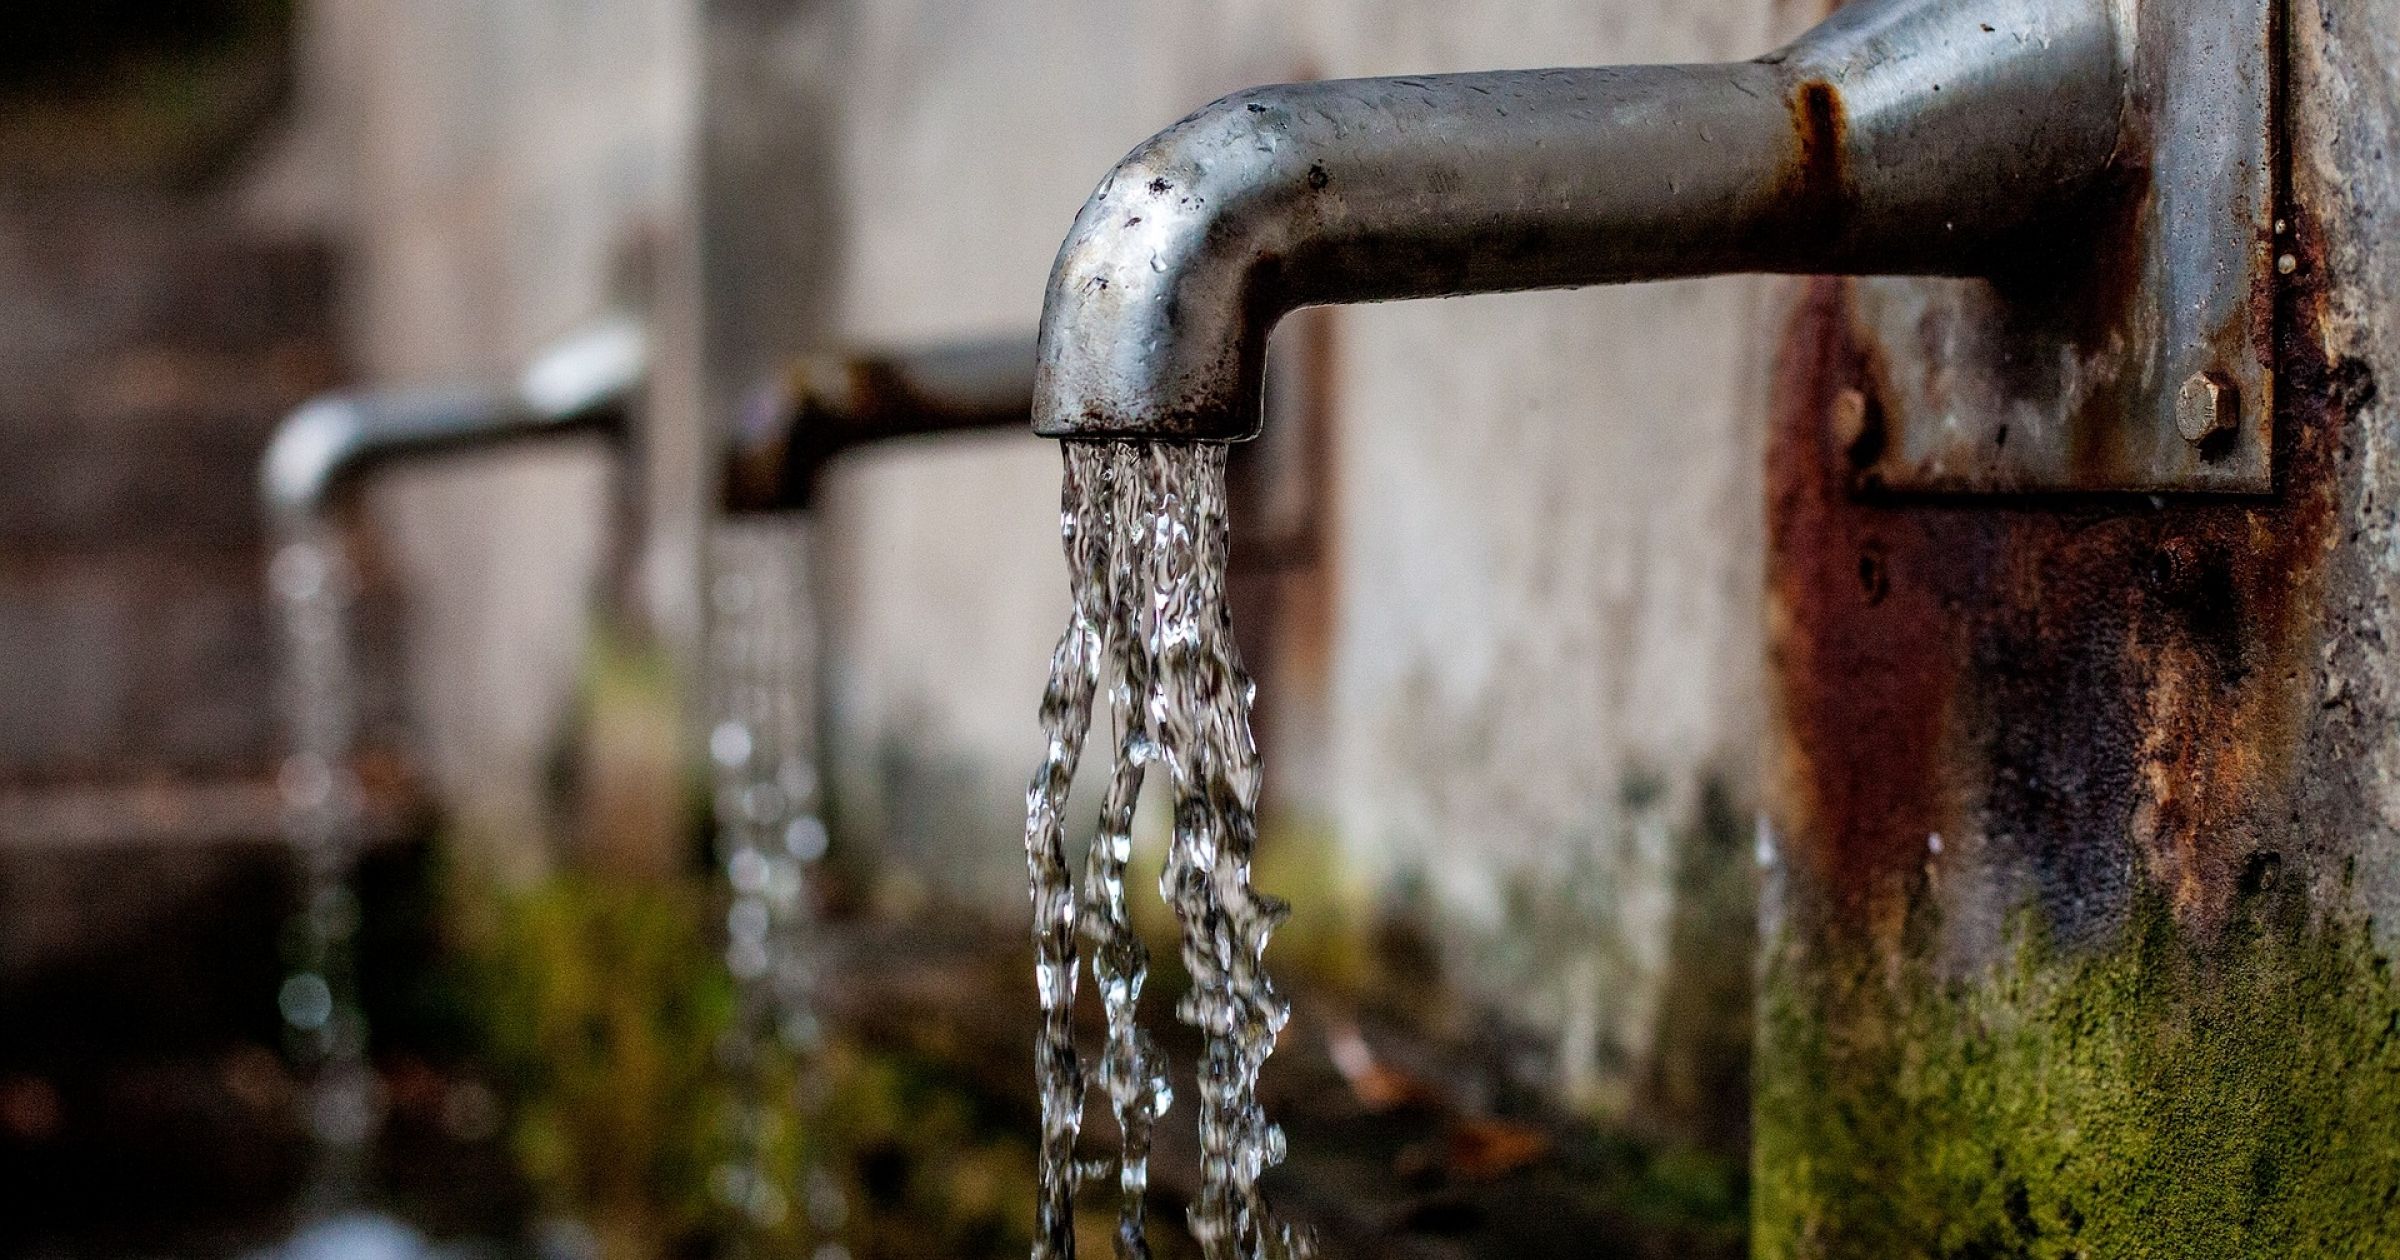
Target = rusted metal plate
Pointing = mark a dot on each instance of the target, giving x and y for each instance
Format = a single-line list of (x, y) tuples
[(2133, 349)]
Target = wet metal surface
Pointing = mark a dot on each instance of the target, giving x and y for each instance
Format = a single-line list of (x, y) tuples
[(2129, 349), (2093, 188), (1901, 137)]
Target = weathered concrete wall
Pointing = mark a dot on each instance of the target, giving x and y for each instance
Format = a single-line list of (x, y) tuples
[(154, 341), (1528, 715), (2085, 819), (1545, 674), (971, 133), (159, 344)]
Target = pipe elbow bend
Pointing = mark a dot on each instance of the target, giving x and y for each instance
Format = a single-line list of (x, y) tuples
[(1159, 306), (309, 453)]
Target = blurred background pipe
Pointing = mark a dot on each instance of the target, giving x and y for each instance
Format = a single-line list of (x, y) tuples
[(587, 383), (825, 404)]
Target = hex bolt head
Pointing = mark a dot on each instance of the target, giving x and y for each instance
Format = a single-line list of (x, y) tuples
[(2207, 406)]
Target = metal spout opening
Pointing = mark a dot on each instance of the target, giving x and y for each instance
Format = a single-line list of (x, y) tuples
[(826, 404), (587, 383), (1901, 137)]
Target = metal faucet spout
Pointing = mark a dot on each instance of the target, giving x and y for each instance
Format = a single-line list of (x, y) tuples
[(825, 404), (584, 384), (1918, 137)]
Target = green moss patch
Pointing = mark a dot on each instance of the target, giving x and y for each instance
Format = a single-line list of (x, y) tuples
[(2160, 1096)]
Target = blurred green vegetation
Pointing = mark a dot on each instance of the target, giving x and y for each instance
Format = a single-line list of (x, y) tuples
[(637, 1106), (601, 1005), (606, 1016)]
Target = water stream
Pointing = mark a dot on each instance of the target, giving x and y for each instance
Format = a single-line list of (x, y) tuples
[(323, 823), (770, 839), (1146, 539)]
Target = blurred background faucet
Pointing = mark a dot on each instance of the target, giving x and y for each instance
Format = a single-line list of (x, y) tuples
[(827, 403), (587, 384)]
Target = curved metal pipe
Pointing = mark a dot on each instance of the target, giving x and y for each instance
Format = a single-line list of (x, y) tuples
[(586, 383), (826, 404), (1899, 137)]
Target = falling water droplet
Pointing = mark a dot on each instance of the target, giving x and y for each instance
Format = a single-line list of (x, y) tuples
[(729, 744), (805, 839), (306, 1001), (323, 827)]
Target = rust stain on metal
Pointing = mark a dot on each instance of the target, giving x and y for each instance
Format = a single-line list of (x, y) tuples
[(1823, 126), (2087, 333), (826, 405), (1818, 183), (1865, 675), (2095, 690)]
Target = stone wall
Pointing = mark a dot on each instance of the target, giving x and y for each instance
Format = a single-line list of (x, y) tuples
[(154, 338)]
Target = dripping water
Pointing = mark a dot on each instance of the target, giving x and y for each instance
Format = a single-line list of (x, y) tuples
[(771, 839), (1146, 539), (1085, 524), (1131, 1070), (323, 824)]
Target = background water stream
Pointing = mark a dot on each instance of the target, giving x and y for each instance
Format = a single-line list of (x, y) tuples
[(770, 837), (323, 819)]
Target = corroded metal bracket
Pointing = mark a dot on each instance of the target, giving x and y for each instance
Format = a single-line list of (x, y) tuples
[(2134, 351)]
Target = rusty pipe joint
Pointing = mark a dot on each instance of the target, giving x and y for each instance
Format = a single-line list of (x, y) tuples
[(825, 404), (1904, 137), (587, 383)]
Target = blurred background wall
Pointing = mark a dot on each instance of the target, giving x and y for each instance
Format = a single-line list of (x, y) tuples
[(494, 176), (1501, 578), (154, 333), (1517, 709), (1513, 687)]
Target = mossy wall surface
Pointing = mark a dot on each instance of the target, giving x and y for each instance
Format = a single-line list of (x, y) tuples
[(2154, 1097)]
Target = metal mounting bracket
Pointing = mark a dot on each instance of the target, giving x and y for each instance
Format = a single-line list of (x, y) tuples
[(2133, 351)]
